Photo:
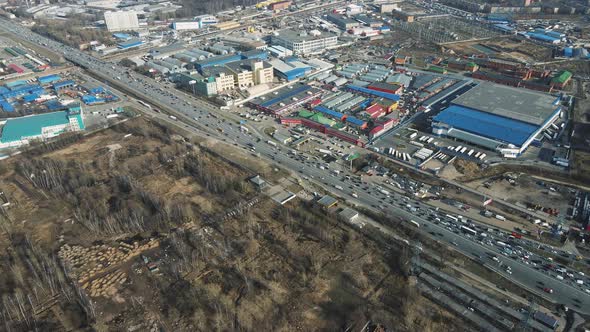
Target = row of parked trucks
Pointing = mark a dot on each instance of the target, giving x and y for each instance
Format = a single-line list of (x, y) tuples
[(397, 154)]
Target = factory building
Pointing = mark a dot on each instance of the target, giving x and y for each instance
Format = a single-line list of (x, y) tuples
[(285, 99), (125, 45), (243, 43), (216, 61), (343, 22), (224, 78), (498, 117), (248, 73), (206, 20), (121, 20), (196, 84), (166, 51), (23, 130), (185, 25), (290, 69), (305, 43)]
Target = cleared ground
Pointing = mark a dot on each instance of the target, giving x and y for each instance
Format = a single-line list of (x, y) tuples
[(154, 231)]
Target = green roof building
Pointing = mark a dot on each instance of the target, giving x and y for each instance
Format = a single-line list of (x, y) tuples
[(305, 114), (19, 131), (561, 79)]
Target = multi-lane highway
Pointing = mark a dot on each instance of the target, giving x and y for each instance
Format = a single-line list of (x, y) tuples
[(200, 117)]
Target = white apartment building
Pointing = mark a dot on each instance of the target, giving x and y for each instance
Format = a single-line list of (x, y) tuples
[(121, 20)]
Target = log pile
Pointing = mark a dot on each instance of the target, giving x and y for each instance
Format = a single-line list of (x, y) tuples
[(92, 265)]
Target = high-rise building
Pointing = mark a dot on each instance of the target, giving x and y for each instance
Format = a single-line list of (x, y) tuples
[(121, 20)]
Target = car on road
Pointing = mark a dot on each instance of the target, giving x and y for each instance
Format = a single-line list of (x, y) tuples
[(548, 290)]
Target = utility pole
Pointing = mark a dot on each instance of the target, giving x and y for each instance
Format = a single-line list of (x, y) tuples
[(415, 267), (524, 324)]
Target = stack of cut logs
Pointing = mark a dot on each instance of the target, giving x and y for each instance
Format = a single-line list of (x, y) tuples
[(89, 265)]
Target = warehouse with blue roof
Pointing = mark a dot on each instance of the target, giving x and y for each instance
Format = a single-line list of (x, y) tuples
[(22, 130), (498, 117), (124, 45), (48, 79), (63, 85)]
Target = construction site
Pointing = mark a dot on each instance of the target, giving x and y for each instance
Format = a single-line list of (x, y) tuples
[(446, 29)]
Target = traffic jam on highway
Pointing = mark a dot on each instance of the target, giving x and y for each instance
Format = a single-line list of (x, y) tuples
[(504, 252)]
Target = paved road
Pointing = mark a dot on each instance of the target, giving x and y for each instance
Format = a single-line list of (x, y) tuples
[(198, 116)]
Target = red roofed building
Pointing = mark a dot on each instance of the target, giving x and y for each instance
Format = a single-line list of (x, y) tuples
[(375, 111), (376, 131), (386, 87), (16, 68), (315, 102)]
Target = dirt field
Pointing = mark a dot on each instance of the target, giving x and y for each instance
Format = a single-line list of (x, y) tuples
[(153, 232), (507, 48)]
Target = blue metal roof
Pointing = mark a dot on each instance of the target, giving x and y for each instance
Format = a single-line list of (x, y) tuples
[(542, 37), (293, 73), (391, 96), (53, 104), (129, 43), (329, 112), (255, 54), (48, 79), (355, 121), (6, 106), (63, 84), (120, 35), (30, 98), (284, 96), (486, 124), (23, 90), (217, 61)]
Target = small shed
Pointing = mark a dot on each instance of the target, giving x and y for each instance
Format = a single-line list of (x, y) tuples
[(258, 182)]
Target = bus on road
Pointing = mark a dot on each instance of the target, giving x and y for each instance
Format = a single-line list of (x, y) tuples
[(468, 230)]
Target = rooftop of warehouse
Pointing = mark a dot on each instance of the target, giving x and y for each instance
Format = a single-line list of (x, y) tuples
[(562, 77), (245, 65), (219, 59), (286, 95), (28, 126), (298, 36), (130, 42), (486, 124), (215, 71), (514, 103)]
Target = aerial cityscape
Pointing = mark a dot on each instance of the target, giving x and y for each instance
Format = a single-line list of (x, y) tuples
[(295, 165)]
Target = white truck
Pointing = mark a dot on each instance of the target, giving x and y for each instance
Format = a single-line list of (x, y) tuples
[(271, 143)]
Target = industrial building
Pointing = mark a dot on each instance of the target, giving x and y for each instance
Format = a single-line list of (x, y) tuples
[(285, 99), (223, 77), (498, 117), (196, 84), (248, 73), (216, 61), (21, 131), (290, 69), (185, 25), (304, 42), (121, 20), (125, 45), (342, 22)]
